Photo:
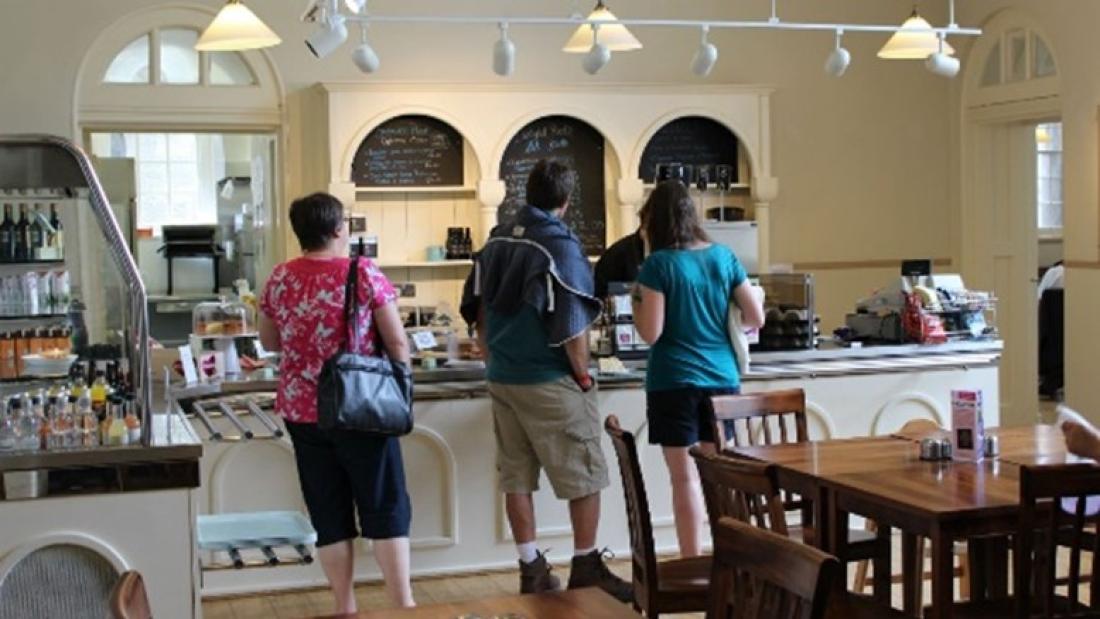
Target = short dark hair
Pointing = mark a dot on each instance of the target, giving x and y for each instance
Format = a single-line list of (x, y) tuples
[(550, 184), (672, 221), (316, 219)]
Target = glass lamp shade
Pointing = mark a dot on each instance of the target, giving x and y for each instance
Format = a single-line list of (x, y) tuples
[(615, 36), (236, 28), (913, 41)]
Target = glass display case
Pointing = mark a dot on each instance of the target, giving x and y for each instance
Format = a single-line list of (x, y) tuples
[(73, 305), (790, 320), (223, 318)]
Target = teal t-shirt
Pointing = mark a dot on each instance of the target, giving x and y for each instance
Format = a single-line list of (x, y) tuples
[(694, 349), (519, 350)]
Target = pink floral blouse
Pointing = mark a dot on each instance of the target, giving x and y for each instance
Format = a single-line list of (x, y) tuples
[(305, 299)]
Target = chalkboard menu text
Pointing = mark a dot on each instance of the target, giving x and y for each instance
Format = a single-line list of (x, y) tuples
[(410, 151), (692, 141), (571, 142)]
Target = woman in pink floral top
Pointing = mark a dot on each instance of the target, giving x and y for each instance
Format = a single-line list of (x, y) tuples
[(340, 471)]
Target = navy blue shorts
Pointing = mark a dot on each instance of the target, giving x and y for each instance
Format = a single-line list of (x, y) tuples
[(683, 417), (342, 472)]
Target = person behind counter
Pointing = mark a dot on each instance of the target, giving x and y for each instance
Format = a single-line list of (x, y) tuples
[(340, 471), (530, 295), (621, 261), (681, 307)]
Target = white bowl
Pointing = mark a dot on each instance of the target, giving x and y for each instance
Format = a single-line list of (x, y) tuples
[(37, 365)]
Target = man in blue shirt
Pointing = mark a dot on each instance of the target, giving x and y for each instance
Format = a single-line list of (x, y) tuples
[(531, 297)]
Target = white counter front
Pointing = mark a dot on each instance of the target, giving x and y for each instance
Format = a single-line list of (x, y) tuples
[(458, 515)]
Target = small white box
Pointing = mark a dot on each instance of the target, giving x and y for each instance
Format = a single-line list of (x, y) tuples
[(967, 425)]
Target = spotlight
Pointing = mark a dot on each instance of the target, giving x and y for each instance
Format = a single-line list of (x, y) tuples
[(597, 57), (364, 56), (504, 53), (941, 63), (705, 57), (330, 36), (839, 59)]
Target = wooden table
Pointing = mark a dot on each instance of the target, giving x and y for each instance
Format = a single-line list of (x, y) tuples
[(573, 604), (884, 479)]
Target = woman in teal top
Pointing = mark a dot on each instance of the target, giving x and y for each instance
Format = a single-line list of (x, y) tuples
[(681, 308)]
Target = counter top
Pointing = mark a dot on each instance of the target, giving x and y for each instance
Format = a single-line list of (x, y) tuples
[(446, 383)]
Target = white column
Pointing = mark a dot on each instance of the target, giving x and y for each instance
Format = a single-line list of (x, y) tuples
[(764, 192), (490, 193), (631, 193)]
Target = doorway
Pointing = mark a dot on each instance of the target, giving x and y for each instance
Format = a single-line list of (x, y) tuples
[(1051, 289), (163, 183)]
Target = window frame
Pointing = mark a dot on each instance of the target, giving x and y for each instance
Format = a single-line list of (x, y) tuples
[(154, 79), (1050, 233)]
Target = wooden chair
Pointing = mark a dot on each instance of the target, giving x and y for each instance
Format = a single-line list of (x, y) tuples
[(1045, 526), (128, 599), (748, 491), (758, 574), (670, 586), (775, 418), (917, 429)]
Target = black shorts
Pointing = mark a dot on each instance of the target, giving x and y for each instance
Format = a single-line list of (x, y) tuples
[(343, 471), (683, 417)]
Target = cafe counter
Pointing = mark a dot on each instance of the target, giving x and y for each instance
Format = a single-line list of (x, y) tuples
[(458, 515)]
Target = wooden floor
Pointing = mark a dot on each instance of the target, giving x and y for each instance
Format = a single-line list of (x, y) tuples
[(373, 596)]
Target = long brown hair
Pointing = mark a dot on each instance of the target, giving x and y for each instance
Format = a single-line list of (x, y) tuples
[(672, 222)]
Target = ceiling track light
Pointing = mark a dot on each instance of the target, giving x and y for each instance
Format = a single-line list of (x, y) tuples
[(331, 33), (364, 55), (705, 57), (598, 56), (941, 63), (839, 59), (504, 53)]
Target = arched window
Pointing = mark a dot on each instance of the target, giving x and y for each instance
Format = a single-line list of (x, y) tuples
[(1020, 55), (172, 51)]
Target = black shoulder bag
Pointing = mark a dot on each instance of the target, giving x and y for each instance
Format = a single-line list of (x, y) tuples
[(360, 392)]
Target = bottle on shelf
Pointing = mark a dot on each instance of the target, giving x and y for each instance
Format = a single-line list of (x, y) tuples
[(60, 422), (9, 436), (7, 236), (98, 394), (86, 422), (133, 422), (21, 250), (36, 235), (7, 357), (116, 430), (27, 426), (79, 387), (57, 239), (38, 409)]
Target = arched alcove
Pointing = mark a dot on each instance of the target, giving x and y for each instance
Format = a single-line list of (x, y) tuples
[(1012, 62), (578, 144)]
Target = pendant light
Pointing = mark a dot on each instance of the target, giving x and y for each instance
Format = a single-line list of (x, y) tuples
[(613, 36), (236, 28), (914, 40)]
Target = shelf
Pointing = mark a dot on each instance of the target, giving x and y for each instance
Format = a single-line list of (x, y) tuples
[(710, 189), (29, 379), (33, 317), (33, 264), (441, 189), (225, 336)]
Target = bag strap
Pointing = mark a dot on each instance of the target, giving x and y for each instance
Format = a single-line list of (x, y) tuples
[(351, 307)]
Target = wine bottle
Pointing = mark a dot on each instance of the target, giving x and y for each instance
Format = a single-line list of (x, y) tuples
[(7, 236), (22, 236), (36, 235), (58, 232)]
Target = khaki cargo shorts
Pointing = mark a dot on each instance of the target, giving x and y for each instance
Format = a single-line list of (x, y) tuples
[(553, 426)]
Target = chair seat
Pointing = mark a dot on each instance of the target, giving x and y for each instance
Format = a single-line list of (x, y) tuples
[(855, 606), (861, 543), (684, 575)]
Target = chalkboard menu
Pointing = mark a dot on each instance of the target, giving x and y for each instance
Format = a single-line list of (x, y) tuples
[(691, 140), (410, 151), (576, 144)]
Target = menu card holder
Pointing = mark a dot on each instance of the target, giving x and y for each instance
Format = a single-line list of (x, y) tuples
[(967, 425)]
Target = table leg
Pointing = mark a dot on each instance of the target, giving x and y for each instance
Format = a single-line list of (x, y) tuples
[(881, 563), (943, 574), (837, 542), (823, 521), (997, 562), (912, 568)]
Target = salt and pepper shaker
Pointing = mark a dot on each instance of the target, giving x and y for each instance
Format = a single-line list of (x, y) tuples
[(992, 446)]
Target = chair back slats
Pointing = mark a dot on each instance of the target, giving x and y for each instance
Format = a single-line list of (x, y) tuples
[(758, 418), (745, 490), (1047, 522), (643, 553), (769, 575)]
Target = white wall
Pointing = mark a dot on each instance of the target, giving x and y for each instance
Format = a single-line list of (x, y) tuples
[(1070, 29), (862, 161)]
